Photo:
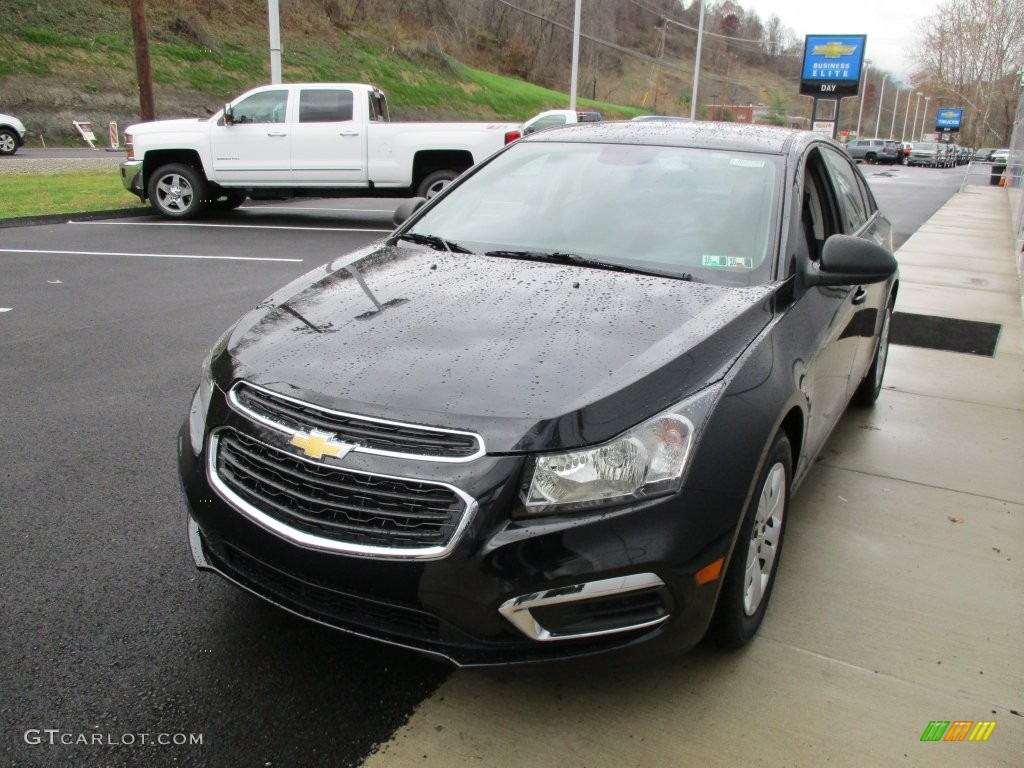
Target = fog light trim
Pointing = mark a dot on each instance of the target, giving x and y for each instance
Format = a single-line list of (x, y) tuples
[(518, 610)]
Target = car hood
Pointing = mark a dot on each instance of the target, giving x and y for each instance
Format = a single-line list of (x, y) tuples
[(530, 355)]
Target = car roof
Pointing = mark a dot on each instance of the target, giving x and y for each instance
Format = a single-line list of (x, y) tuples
[(706, 135)]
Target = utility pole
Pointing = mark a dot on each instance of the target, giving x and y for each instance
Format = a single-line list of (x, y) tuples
[(142, 67), (924, 116), (575, 56), (696, 66), (274, 23), (913, 125)]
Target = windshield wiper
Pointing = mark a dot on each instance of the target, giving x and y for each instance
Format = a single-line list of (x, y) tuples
[(574, 258), (435, 242)]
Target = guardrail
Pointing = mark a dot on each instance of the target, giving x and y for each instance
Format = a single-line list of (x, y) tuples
[(996, 173)]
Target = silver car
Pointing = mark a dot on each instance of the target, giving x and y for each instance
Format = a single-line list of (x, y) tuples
[(12, 134)]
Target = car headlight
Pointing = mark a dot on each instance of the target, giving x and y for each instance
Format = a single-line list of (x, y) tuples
[(648, 460), (204, 393)]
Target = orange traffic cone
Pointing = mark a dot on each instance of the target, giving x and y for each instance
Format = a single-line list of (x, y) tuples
[(1002, 181)]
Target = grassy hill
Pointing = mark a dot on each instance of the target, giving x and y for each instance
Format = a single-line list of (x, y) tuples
[(76, 61)]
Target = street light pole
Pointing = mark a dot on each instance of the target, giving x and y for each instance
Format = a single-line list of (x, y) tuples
[(863, 89), (913, 125), (895, 104), (274, 23), (881, 95), (906, 117), (575, 56), (924, 116), (696, 66)]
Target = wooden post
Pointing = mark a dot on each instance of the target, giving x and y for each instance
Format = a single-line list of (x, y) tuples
[(145, 74)]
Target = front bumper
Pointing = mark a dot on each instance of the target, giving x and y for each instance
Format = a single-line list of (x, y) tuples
[(508, 591), (131, 177)]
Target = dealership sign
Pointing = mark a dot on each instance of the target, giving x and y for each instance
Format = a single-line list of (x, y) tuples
[(948, 120), (832, 65)]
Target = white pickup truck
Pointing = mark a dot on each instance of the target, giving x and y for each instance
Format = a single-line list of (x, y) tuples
[(310, 140)]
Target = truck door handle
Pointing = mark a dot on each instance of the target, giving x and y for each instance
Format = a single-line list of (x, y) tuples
[(277, 133), (349, 133), (860, 295)]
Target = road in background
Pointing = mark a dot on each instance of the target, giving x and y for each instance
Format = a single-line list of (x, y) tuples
[(108, 629)]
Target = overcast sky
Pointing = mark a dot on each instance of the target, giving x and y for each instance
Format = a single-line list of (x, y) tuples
[(891, 25)]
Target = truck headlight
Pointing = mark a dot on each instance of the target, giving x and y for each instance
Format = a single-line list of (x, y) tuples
[(648, 460)]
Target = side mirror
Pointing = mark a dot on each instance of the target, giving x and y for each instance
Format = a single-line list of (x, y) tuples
[(848, 260), (229, 116), (407, 209)]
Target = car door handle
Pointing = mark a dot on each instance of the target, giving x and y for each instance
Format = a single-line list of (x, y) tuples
[(860, 295), (349, 133), (277, 133)]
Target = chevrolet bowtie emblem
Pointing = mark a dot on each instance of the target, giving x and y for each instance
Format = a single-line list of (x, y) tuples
[(833, 50), (317, 444)]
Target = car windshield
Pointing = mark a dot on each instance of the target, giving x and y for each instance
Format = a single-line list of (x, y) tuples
[(698, 214), (924, 145)]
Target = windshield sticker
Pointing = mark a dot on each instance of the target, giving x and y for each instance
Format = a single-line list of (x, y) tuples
[(742, 163), (726, 262)]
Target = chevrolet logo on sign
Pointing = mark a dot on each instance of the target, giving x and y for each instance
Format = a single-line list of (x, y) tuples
[(317, 444), (949, 115), (833, 50)]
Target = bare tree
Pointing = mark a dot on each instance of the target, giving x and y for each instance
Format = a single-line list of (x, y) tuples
[(967, 53)]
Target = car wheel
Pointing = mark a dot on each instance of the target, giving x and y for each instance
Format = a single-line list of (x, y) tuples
[(435, 182), (869, 159), (755, 558), (867, 392), (176, 191), (8, 142)]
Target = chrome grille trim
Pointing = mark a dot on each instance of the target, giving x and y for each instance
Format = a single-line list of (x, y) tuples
[(321, 543), (261, 418)]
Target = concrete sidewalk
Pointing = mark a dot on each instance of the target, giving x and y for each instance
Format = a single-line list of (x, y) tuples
[(900, 598)]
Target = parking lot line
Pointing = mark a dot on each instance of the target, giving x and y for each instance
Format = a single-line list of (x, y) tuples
[(228, 226), (147, 255)]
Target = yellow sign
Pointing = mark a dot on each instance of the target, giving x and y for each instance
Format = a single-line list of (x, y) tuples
[(318, 444)]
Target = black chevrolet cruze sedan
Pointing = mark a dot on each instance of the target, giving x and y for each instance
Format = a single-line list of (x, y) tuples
[(562, 409)]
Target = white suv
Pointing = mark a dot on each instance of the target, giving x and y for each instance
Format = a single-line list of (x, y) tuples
[(12, 134)]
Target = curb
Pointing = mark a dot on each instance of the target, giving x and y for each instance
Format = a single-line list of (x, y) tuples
[(61, 218)]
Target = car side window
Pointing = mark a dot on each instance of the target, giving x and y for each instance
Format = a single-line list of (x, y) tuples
[(853, 209), (547, 122), (818, 212), (323, 105), (262, 107)]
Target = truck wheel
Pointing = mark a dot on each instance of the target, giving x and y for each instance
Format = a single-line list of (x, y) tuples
[(8, 142), (176, 191), (435, 182), (869, 158)]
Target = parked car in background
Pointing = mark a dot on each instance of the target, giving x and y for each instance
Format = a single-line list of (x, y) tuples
[(554, 118), (873, 150), (984, 154), (926, 153), (963, 155), (600, 363), (12, 134)]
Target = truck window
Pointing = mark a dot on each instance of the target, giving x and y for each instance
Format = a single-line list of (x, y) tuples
[(325, 106), (378, 107), (262, 107)]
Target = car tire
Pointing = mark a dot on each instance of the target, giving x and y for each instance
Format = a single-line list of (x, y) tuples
[(755, 559), (177, 191), (867, 392), (435, 182), (8, 142), (869, 158)]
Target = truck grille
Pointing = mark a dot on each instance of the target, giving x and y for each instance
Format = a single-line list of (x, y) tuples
[(365, 433), (335, 504)]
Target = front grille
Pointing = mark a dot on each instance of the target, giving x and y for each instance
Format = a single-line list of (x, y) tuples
[(334, 503), (374, 434)]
